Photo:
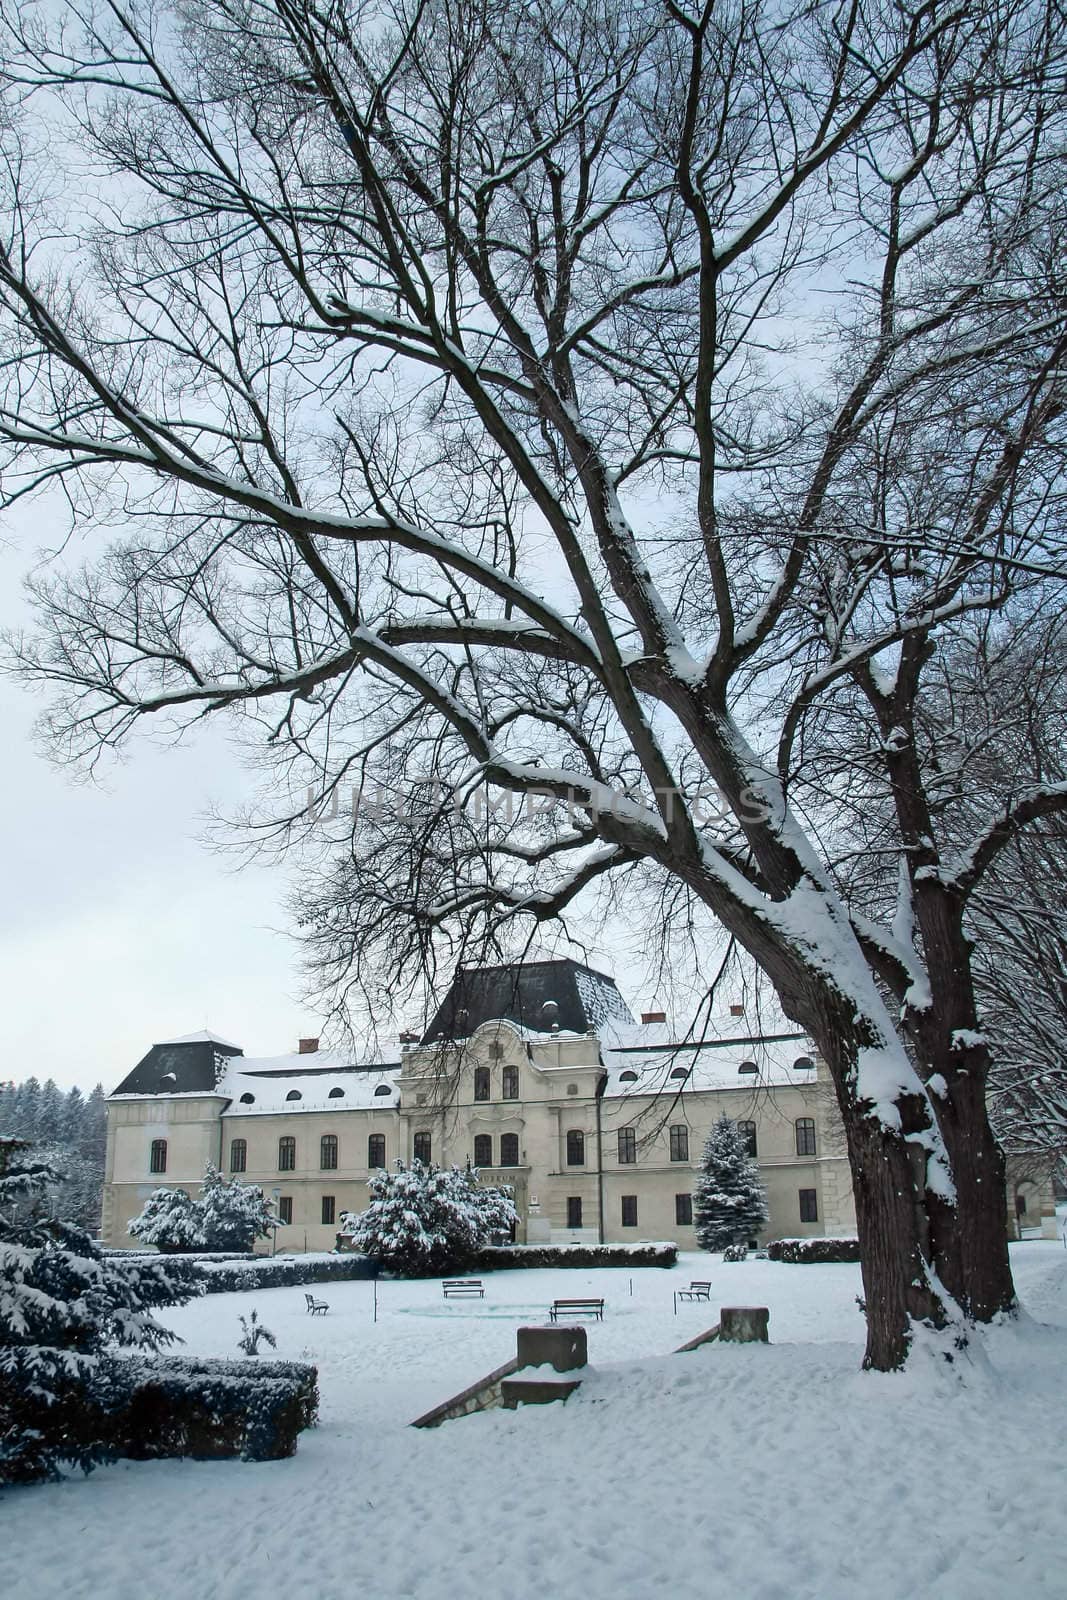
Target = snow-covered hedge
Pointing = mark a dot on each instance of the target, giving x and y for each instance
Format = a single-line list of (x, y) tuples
[(164, 1408), (802, 1250), (496, 1257), (272, 1272)]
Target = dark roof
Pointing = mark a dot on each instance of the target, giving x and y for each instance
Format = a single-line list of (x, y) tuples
[(194, 1067), (525, 993)]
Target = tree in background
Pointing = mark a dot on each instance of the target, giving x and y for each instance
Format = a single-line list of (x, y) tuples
[(63, 1308), (512, 458), (729, 1200), (425, 1220), (226, 1215), (70, 1132)]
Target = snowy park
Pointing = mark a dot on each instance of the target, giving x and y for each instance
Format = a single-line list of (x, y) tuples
[(743, 1471)]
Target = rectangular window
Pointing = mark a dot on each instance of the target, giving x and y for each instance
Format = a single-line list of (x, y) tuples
[(805, 1136), (285, 1209), (483, 1149), (157, 1156), (747, 1130), (421, 1148), (680, 1143), (509, 1083), (287, 1154), (683, 1210), (809, 1206), (574, 1211), (627, 1146), (575, 1148), (238, 1155), (481, 1083), (629, 1211), (509, 1149), (328, 1152), (376, 1150), (329, 1208)]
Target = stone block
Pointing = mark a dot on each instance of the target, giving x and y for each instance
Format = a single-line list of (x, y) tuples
[(536, 1391), (744, 1324), (558, 1347)]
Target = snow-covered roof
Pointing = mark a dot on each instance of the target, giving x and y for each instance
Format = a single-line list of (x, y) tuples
[(205, 1036), (653, 1068), (323, 1080)]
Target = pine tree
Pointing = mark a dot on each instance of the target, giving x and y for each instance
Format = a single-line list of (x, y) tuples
[(425, 1220), (63, 1308), (171, 1221), (233, 1215), (729, 1202)]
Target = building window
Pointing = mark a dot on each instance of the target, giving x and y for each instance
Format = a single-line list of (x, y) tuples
[(329, 1208), (679, 1142), (238, 1155), (809, 1206), (294, 1094), (157, 1156), (382, 1090), (574, 1211), (376, 1150), (629, 1211), (248, 1099), (421, 1147), (496, 1051), (509, 1083), (336, 1094), (328, 1152), (287, 1154), (575, 1148), (481, 1083), (483, 1149), (285, 1210), (627, 1146), (683, 1210), (805, 1136), (747, 1130), (509, 1149)]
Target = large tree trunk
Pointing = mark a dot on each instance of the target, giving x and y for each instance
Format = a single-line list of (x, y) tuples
[(972, 1253)]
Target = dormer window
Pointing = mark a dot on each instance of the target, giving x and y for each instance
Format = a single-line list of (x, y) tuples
[(680, 1072), (627, 1077), (383, 1089), (748, 1068), (248, 1099), (803, 1064), (336, 1094), (294, 1094), (168, 1083)]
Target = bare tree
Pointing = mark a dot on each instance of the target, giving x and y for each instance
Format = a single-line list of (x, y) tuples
[(566, 402)]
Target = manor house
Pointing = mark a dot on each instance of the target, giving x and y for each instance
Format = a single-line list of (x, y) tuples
[(536, 1073)]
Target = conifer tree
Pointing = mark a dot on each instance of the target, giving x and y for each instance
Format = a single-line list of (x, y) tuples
[(233, 1215), (424, 1220), (729, 1201), (63, 1307)]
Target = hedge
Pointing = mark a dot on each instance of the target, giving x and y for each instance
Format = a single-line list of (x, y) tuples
[(162, 1407), (496, 1257), (270, 1272), (799, 1251)]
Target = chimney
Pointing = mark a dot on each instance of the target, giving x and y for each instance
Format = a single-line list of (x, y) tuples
[(737, 1011), (308, 1047), (653, 1016), (409, 1038)]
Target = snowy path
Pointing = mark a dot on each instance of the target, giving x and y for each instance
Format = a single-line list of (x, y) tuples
[(747, 1473)]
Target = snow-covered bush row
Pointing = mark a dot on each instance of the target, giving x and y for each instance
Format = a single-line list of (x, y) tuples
[(498, 1256), (133, 1254), (800, 1250), (268, 1272), (164, 1408)]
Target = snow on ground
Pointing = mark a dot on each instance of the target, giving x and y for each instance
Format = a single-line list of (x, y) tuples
[(746, 1472)]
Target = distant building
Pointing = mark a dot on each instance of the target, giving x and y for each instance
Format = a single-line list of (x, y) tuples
[(535, 1073)]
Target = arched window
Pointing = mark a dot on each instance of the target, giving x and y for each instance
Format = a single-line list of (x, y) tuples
[(481, 1083), (748, 1067), (238, 1155), (157, 1156), (336, 1094), (483, 1150), (627, 1077), (421, 1147), (803, 1064), (287, 1154), (294, 1094), (509, 1083), (376, 1150), (680, 1072), (509, 1149), (575, 1148), (679, 1142), (747, 1130), (383, 1089), (805, 1136), (328, 1152), (248, 1099)]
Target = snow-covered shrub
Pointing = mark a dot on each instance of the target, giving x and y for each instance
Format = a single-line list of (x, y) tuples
[(227, 1216), (160, 1409), (270, 1272), (63, 1310), (803, 1250), (735, 1252), (498, 1257), (424, 1220), (253, 1333), (729, 1201)]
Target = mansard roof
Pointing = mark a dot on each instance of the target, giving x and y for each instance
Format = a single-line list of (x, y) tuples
[(539, 996), (192, 1065)]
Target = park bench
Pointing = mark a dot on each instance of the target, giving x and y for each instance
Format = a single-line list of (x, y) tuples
[(463, 1288), (699, 1289), (577, 1308), (314, 1306)]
